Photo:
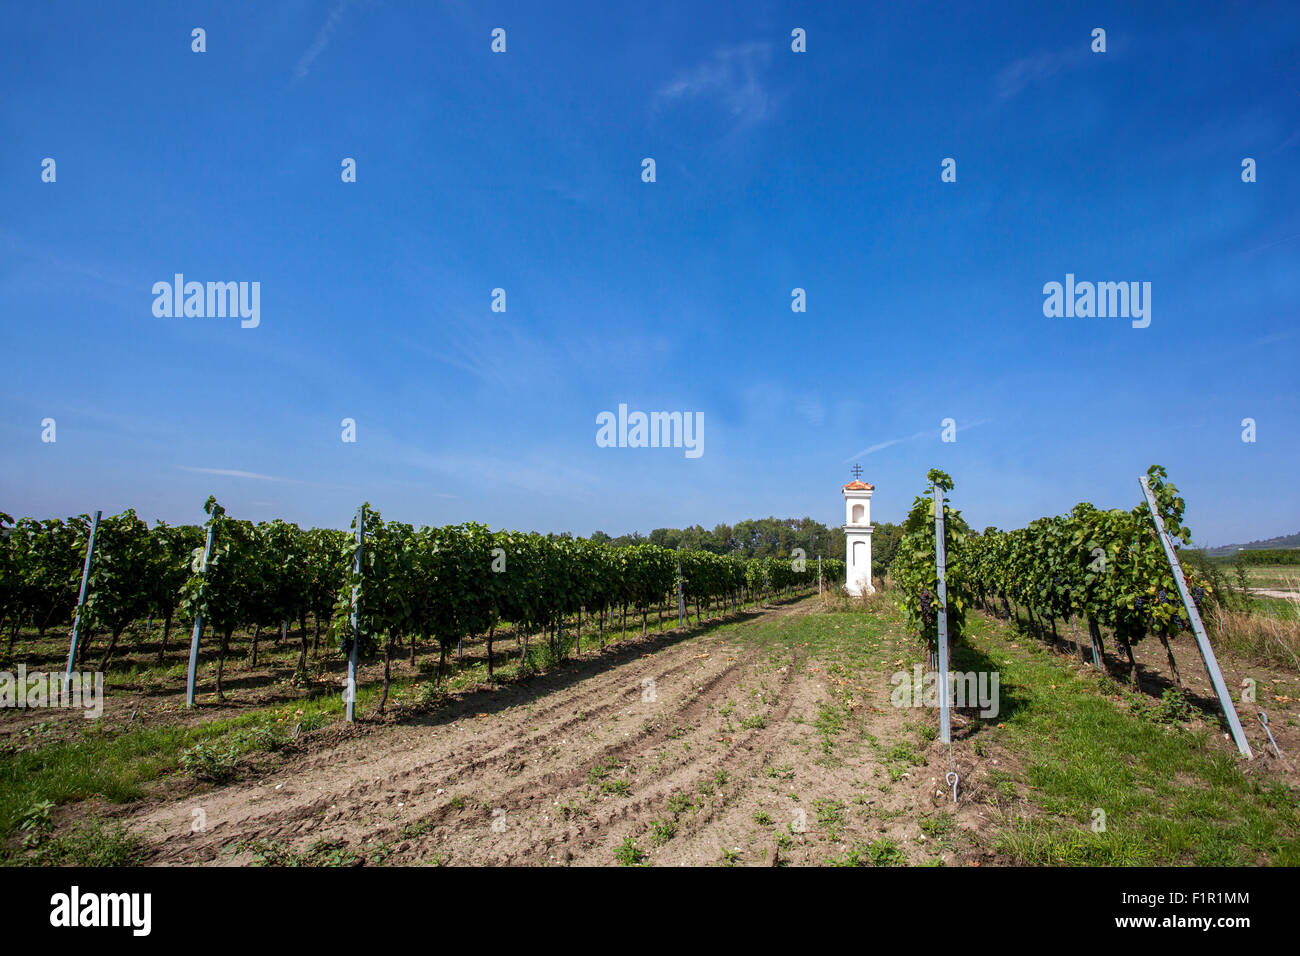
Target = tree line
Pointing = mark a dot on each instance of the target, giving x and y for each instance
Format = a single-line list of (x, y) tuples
[(767, 537)]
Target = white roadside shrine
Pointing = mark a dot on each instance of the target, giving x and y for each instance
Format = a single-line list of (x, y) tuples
[(857, 537)]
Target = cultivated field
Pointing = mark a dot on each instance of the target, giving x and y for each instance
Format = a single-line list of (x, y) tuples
[(1280, 577), (765, 738)]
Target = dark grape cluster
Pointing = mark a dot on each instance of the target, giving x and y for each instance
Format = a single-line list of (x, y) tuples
[(927, 607)]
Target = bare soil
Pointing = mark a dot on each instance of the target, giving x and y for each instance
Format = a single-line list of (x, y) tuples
[(709, 740)]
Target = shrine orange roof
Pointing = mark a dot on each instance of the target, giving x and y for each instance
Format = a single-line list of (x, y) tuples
[(858, 486)]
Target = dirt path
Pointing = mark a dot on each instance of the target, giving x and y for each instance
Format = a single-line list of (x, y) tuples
[(700, 749), (1274, 593)]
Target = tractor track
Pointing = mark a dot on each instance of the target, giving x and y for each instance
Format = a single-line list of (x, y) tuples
[(365, 776), (575, 766)]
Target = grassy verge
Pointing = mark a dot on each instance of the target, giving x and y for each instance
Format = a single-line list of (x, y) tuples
[(1121, 780)]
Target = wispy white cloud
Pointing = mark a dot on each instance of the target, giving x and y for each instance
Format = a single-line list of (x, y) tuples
[(236, 473), (915, 436), (1270, 245), (1021, 73), (731, 75), (322, 40), (880, 446)]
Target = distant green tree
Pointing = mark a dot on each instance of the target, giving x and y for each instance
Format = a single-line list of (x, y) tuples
[(884, 546)]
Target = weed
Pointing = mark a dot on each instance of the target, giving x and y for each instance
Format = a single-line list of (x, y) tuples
[(413, 831), (628, 854), (830, 817), (1174, 708), (678, 803), (89, 843), (332, 853), (661, 831), (885, 852), (35, 823), (937, 825), (620, 788), (602, 770), (208, 762), (830, 724)]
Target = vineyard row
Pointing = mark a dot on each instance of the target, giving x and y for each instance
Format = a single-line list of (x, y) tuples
[(443, 584), (1092, 567)]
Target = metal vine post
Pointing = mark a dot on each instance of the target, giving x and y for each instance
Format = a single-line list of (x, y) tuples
[(198, 622), (356, 618), (81, 601), (1202, 640), (945, 729)]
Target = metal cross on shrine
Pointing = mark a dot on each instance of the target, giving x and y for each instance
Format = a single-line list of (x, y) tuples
[(856, 471)]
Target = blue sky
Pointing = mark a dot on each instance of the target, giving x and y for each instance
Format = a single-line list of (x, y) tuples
[(522, 171)]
